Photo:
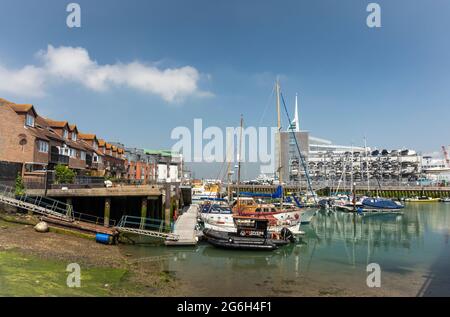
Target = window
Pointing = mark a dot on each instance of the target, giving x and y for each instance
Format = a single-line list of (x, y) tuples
[(42, 146), (29, 120), (65, 134), (95, 145), (83, 155), (64, 150), (74, 136), (97, 159), (73, 153)]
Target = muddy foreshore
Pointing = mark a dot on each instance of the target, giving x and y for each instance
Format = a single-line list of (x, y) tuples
[(19, 240)]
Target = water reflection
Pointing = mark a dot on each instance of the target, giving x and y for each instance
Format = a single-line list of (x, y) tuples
[(334, 242)]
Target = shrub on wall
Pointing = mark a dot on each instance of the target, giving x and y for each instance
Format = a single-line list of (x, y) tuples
[(64, 175), (20, 187)]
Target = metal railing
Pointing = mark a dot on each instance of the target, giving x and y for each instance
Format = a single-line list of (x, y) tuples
[(51, 207), (147, 227), (96, 220), (44, 204), (59, 158), (145, 223)]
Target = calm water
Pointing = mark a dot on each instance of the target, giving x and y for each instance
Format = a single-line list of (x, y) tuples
[(412, 250)]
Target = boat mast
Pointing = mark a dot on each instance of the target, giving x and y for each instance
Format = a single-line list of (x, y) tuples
[(352, 185), (229, 194), (239, 166), (367, 165), (280, 177)]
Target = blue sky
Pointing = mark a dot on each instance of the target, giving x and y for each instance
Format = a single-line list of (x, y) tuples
[(390, 84)]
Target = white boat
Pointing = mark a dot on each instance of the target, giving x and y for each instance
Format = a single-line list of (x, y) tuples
[(227, 227), (217, 213)]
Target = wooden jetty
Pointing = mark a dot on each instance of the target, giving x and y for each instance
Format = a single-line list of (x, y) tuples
[(185, 228)]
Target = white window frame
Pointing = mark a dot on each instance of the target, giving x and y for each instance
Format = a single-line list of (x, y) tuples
[(83, 155), (65, 134), (29, 120), (74, 136), (42, 146), (72, 153), (64, 150)]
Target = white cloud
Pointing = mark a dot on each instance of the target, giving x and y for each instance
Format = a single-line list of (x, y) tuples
[(27, 82), (74, 64)]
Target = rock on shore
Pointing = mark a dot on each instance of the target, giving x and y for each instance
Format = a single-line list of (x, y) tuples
[(41, 227)]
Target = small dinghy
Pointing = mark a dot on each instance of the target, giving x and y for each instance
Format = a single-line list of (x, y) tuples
[(251, 234)]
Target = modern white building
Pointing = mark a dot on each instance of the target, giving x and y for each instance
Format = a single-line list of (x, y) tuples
[(326, 160)]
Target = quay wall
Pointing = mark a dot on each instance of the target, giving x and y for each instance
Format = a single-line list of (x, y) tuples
[(387, 191), (108, 205)]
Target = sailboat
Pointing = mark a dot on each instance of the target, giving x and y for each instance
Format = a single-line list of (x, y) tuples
[(249, 207)]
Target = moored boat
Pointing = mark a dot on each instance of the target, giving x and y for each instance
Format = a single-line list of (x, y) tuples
[(422, 199), (251, 234), (381, 204)]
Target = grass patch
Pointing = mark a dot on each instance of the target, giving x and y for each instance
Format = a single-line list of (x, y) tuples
[(73, 233), (25, 275)]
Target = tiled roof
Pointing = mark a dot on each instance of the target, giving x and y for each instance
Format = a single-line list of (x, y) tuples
[(87, 136), (101, 142), (56, 124), (108, 146), (43, 129), (86, 145), (76, 145), (21, 108), (4, 101), (72, 127)]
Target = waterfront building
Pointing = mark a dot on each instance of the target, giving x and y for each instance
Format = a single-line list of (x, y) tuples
[(329, 162), (34, 145), (139, 166), (169, 165)]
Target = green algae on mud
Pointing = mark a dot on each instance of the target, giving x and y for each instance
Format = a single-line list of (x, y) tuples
[(26, 275)]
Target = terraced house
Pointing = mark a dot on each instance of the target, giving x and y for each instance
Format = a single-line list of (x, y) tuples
[(31, 145)]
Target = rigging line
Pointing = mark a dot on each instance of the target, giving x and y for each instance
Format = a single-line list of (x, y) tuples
[(267, 106), (299, 151), (224, 163), (219, 175)]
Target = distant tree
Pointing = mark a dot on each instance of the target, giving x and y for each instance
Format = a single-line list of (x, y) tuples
[(64, 175), (20, 187)]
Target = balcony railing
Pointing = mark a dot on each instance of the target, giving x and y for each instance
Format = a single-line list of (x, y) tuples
[(95, 165), (56, 158)]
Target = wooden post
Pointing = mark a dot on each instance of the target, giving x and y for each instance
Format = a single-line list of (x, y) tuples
[(69, 206), (107, 211), (177, 201), (167, 206), (143, 212)]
